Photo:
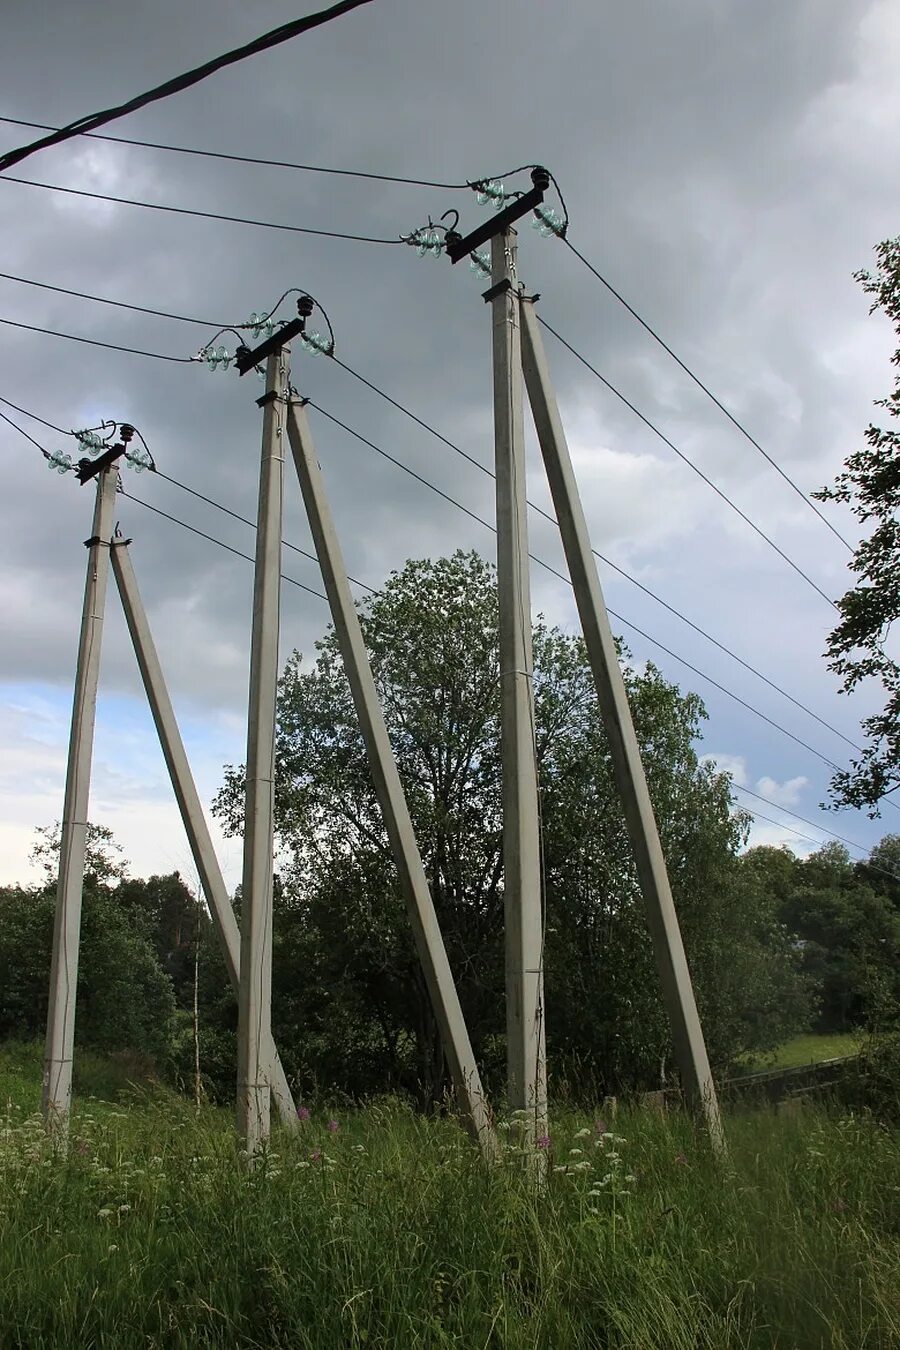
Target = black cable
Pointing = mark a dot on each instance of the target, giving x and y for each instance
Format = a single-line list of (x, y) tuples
[(94, 342), (478, 465), (202, 215), (190, 77), (539, 510), (487, 525), (851, 843), (690, 463), (34, 417), (562, 577), (252, 159), (709, 393), (213, 540), (23, 432), (210, 501)]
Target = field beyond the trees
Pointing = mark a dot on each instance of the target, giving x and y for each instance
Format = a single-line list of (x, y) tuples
[(378, 1228)]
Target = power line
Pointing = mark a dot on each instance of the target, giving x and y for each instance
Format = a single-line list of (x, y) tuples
[(602, 557), (562, 577), (244, 520), (690, 463), (708, 392), (118, 304), (213, 540), (190, 77), (478, 465), (559, 575), (253, 159), (34, 417), (23, 432), (203, 215), (851, 843), (95, 342)]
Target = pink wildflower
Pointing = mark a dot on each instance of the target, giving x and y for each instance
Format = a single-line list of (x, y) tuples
[(303, 1113), (333, 1127), (315, 1155), (544, 1141)]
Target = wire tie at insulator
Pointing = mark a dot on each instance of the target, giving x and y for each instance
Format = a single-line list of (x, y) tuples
[(493, 291)]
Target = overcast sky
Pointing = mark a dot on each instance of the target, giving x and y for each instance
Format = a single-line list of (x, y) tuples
[(727, 166)]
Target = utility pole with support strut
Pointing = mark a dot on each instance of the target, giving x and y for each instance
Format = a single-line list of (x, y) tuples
[(512, 577)]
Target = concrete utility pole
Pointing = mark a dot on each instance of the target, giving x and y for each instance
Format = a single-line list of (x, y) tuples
[(197, 831), (427, 933), (255, 992), (56, 1097), (526, 1053), (628, 767)]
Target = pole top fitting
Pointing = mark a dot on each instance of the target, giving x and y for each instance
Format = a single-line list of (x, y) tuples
[(540, 177), (305, 306)]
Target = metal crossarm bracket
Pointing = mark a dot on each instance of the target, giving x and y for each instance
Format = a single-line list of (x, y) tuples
[(458, 247), (246, 359)]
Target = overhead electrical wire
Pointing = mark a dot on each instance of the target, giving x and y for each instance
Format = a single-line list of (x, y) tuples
[(562, 577), (95, 342), (480, 520), (284, 33), (253, 159), (690, 463), (213, 539), (851, 843), (432, 183), (201, 215), (708, 392), (540, 562), (602, 557), (478, 465)]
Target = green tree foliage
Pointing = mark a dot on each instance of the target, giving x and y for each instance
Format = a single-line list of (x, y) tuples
[(870, 483), (103, 862), (845, 926), (125, 1001), (350, 1002)]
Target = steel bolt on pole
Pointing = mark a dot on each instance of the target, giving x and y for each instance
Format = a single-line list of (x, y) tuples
[(255, 990), (56, 1097), (426, 931), (628, 767), (185, 790), (525, 1031)]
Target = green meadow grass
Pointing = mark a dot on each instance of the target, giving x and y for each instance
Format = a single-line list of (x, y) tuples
[(809, 1049), (379, 1228)]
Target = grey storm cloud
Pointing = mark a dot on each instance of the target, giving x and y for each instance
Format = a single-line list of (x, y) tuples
[(723, 165)]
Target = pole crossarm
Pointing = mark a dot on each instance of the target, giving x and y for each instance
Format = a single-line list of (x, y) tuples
[(56, 1096), (196, 828), (389, 790), (628, 768)]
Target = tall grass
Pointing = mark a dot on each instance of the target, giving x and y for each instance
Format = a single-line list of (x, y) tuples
[(378, 1228)]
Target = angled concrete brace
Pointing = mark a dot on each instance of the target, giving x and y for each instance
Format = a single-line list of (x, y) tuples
[(427, 933), (628, 768), (197, 831)]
